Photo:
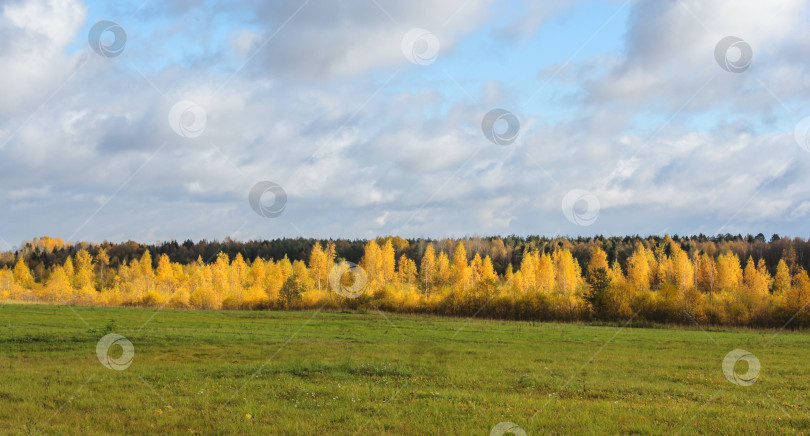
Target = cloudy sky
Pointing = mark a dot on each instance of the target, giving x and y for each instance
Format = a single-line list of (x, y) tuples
[(155, 120)]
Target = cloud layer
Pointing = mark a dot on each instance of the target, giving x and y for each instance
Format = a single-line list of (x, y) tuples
[(319, 98)]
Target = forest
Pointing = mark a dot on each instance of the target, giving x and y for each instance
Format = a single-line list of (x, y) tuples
[(720, 280)]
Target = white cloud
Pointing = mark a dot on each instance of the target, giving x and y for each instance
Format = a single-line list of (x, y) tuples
[(323, 38), (358, 159), (35, 34)]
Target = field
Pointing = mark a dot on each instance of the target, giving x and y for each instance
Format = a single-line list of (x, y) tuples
[(223, 372)]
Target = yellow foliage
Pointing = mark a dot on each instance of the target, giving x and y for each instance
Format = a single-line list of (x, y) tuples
[(598, 260), (180, 299), (460, 269), (256, 297), (781, 281), (729, 273), (22, 275), (660, 283), (638, 268)]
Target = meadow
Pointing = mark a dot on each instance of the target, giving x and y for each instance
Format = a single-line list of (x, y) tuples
[(318, 372)]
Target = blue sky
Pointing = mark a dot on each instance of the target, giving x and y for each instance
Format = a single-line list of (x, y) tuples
[(628, 123)]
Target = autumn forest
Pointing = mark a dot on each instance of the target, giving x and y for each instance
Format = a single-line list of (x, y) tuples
[(723, 280)]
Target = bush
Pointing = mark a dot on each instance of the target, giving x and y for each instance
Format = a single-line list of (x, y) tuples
[(290, 293)]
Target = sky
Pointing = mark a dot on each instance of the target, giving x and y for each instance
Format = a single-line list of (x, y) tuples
[(154, 121)]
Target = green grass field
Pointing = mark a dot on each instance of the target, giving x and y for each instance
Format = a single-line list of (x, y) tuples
[(220, 372)]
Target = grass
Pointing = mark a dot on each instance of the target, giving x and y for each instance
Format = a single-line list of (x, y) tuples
[(220, 372)]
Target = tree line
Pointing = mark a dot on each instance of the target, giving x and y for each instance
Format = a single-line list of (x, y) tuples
[(721, 280)]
